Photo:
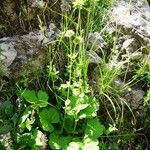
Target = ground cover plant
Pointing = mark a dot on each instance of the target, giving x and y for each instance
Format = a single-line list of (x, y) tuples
[(67, 105)]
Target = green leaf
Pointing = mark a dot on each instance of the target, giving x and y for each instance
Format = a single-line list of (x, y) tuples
[(91, 110), (47, 117), (94, 129), (7, 127), (42, 99), (25, 115), (58, 142), (30, 96), (71, 106), (6, 109), (54, 142), (39, 100), (42, 96), (26, 139), (26, 121), (69, 124)]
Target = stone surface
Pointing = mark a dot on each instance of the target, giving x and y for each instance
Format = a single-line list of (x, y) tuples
[(135, 98), (19, 50), (133, 17), (130, 21)]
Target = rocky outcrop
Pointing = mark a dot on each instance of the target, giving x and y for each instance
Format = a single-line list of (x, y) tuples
[(132, 18), (130, 21), (17, 51)]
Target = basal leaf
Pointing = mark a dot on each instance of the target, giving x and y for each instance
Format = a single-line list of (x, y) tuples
[(57, 142), (5, 128), (42, 99), (54, 142), (91, 110), (39, 100), (30, 96), (26, 139), (47, 117), (94, 128)]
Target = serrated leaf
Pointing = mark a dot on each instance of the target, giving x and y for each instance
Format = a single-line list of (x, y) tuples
[(7, 127), (26, 139), (54, 141), (57, 142), (39, 100), (6, 108), (42, 96), (30, 96), (94, 128), (42, 99), (47, 117), (91, 110)]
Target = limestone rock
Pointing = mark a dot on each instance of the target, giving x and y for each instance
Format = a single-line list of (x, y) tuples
[(135, 97), (19, 50), (133, 18)]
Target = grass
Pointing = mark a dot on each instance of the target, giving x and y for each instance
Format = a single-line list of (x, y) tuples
[(58, 108)]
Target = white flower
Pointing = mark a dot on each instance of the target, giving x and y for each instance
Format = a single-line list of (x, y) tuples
[(78, 3), (69, 33)]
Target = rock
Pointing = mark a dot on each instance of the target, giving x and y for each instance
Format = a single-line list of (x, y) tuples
[(94, 58), (19, 50), (96, 41), (135, 98), (95, 44), (130, 21), (133, 18)]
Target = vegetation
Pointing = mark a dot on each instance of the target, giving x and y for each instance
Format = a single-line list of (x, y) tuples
[(68, 106)]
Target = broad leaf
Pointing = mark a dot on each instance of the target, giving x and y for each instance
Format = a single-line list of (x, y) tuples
[(58, 142), (5, 128), (91, 110), (94, 128), (30, 96), (47, 117), (42, 99), (54, 141), (39, 100), (26, 139)]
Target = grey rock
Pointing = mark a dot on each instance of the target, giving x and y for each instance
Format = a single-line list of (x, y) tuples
[(19, 50), (96, 41), (133, 17), (135, 97), (94, 58)]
